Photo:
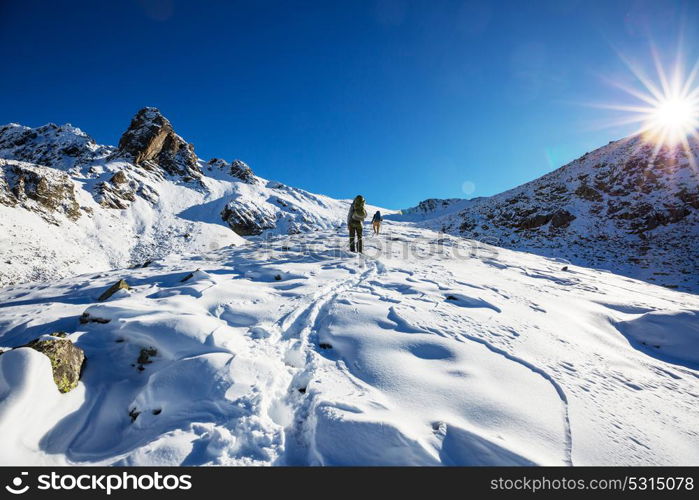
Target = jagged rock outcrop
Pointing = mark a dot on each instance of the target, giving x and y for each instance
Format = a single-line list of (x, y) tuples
[(237, 168), (41, 189), (151, 142), (247, 221), (242, 171)]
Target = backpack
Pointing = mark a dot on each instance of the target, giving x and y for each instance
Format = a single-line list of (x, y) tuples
[(358, 210)]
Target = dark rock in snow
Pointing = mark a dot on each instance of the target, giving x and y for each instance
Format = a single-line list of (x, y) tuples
[(119, 285), (144, 357), (88, 318), (242, 171), (561, 218), (133, 414), (66, 360), (246, 222), (41, 189)]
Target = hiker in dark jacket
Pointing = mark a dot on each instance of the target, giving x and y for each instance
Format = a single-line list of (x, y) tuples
[(355, 219), (376, 222)]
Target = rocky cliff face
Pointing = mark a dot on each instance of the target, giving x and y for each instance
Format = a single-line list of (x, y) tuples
[(151, 142), (624, 207), (43, 190)]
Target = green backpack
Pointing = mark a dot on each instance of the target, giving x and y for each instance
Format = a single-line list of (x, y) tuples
[(359, 212)]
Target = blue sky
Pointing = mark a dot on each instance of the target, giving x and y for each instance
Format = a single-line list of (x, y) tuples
[(397, 100)]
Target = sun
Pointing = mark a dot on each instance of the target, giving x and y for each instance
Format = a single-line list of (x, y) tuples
[(674, 119), (666, 107)]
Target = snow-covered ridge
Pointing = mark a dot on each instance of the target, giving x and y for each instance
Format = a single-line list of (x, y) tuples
[(69, 205), (626, 207)]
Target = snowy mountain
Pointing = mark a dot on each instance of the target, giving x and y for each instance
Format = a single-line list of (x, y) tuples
[(427, 351), (70, 206), (217, 317), (624, 207)]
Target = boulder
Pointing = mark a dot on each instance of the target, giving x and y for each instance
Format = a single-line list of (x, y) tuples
[(561, 219), (88, 318), (119, 285), (67, 360)]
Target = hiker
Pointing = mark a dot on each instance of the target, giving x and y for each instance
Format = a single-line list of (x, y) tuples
[(355, 219), (376, 222)]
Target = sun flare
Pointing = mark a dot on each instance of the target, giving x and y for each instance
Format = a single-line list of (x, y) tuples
[(666, 108), (674, 119)]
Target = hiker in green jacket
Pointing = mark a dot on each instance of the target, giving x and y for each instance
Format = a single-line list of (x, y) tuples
[(355, 220)]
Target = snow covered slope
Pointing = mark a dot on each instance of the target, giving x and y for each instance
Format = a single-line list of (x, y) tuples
[(624, 207), (69, 205), (431, 350)]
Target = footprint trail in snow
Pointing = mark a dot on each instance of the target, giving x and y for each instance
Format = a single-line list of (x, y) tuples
[(292, 351)]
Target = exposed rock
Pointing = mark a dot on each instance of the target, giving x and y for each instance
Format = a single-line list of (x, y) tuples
[(144, 357), (151, 142), (7, 198), (113, 196), (86, 317), (690, 198), (246, 222), (587, 193), (242, 171), (237, 168), (119, 285), (133, 414), (535, 221), (66, 360), (430, 205), (561, 219), (188, 277), (41, 189), (628, 199), (118, 178), (60, 147)]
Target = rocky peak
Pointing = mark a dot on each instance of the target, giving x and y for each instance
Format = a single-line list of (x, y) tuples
[(237, 168), (242, 171), (51, 145), (151, 142)]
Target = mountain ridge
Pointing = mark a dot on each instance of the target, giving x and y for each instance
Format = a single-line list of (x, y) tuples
[(69, 205), (627, 207)]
